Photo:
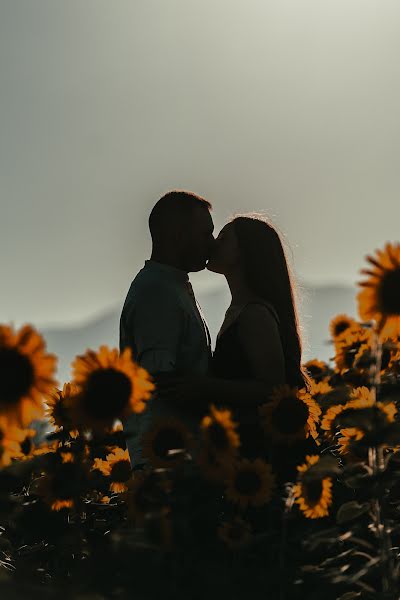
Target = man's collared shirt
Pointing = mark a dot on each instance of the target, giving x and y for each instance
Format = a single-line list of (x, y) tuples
[(163, 325)]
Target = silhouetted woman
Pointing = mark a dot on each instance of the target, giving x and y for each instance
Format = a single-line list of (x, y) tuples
[(259, 345), (260, 336)]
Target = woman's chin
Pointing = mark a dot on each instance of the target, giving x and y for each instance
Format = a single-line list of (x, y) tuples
[(212, 268)]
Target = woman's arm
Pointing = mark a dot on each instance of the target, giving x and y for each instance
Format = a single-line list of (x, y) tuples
[(259, 335)]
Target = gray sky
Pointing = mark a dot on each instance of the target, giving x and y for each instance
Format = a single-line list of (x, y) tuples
[(285, 106)]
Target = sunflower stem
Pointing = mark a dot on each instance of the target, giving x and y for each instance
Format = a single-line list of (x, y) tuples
[(282, 551), (376, 461), (377, 464), (375, 370)]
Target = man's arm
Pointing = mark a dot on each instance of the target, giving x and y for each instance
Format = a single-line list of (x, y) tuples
[(259, 335), (194, 394), (155, 323)]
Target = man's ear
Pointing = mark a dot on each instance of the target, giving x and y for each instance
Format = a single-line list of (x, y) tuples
[(177, 235), (238, 260), (173, 232), (183, 231)]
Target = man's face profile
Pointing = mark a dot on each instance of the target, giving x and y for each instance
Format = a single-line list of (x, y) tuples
[(197, 239)]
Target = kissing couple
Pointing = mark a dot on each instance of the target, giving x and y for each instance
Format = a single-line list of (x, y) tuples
[(258, 346)]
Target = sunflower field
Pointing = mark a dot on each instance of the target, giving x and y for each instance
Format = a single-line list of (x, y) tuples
[(201, 519)]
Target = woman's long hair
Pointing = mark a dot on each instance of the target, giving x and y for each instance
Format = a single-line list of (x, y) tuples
[(268, 275)]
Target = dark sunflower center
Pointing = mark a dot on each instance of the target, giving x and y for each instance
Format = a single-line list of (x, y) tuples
[(121, 471), (107, 393), (312, 492), (26, 446), (385, 359), (217, 435), (16, 375), (350, 354), (341, 327), (290, 415), (314, 371), (60, 412), (247, 482), (167, 439), (389, 293)]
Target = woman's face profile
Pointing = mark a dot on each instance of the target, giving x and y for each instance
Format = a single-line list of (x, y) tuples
[(226, 255)]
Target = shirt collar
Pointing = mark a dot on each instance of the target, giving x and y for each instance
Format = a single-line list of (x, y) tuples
[(172, 272)]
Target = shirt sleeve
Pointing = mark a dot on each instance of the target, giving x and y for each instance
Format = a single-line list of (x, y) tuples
[(155, 326)]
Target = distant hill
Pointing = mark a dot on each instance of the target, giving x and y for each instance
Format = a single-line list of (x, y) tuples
[(318, 306), (67, 342)]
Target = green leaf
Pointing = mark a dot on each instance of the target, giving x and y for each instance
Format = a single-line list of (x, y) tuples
[(325, 467), (351, 510)]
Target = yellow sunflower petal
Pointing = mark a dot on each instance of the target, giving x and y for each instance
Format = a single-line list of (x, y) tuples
[(26, 374)]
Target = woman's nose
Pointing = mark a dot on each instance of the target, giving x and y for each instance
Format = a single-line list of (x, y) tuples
[(210, 249)]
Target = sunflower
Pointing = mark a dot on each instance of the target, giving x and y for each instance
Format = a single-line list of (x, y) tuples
[(360, 397), (364, 357), (11, 437), (290, 415), (26, 374), (250, 483), (63, 484), (347, 436), (235, 533), (47, 448), (319, 390), (110, 386), (317, 369), (117, 467), (348, 345), (167, 442), (59, 407), (26, 445), (394, 362), (328, 420), (147, 495), (314, 496), (218, 431), (115, 438), (340, 324), (379, 300)]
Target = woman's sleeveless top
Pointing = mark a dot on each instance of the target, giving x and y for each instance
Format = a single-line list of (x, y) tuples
[(229, 361)]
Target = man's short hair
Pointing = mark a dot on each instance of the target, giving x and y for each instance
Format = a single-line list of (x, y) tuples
[(172, 206)]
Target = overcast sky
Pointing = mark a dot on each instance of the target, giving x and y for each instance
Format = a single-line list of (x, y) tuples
[(286, 106)]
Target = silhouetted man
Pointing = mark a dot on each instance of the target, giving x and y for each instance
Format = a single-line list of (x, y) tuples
[(161, 320)]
